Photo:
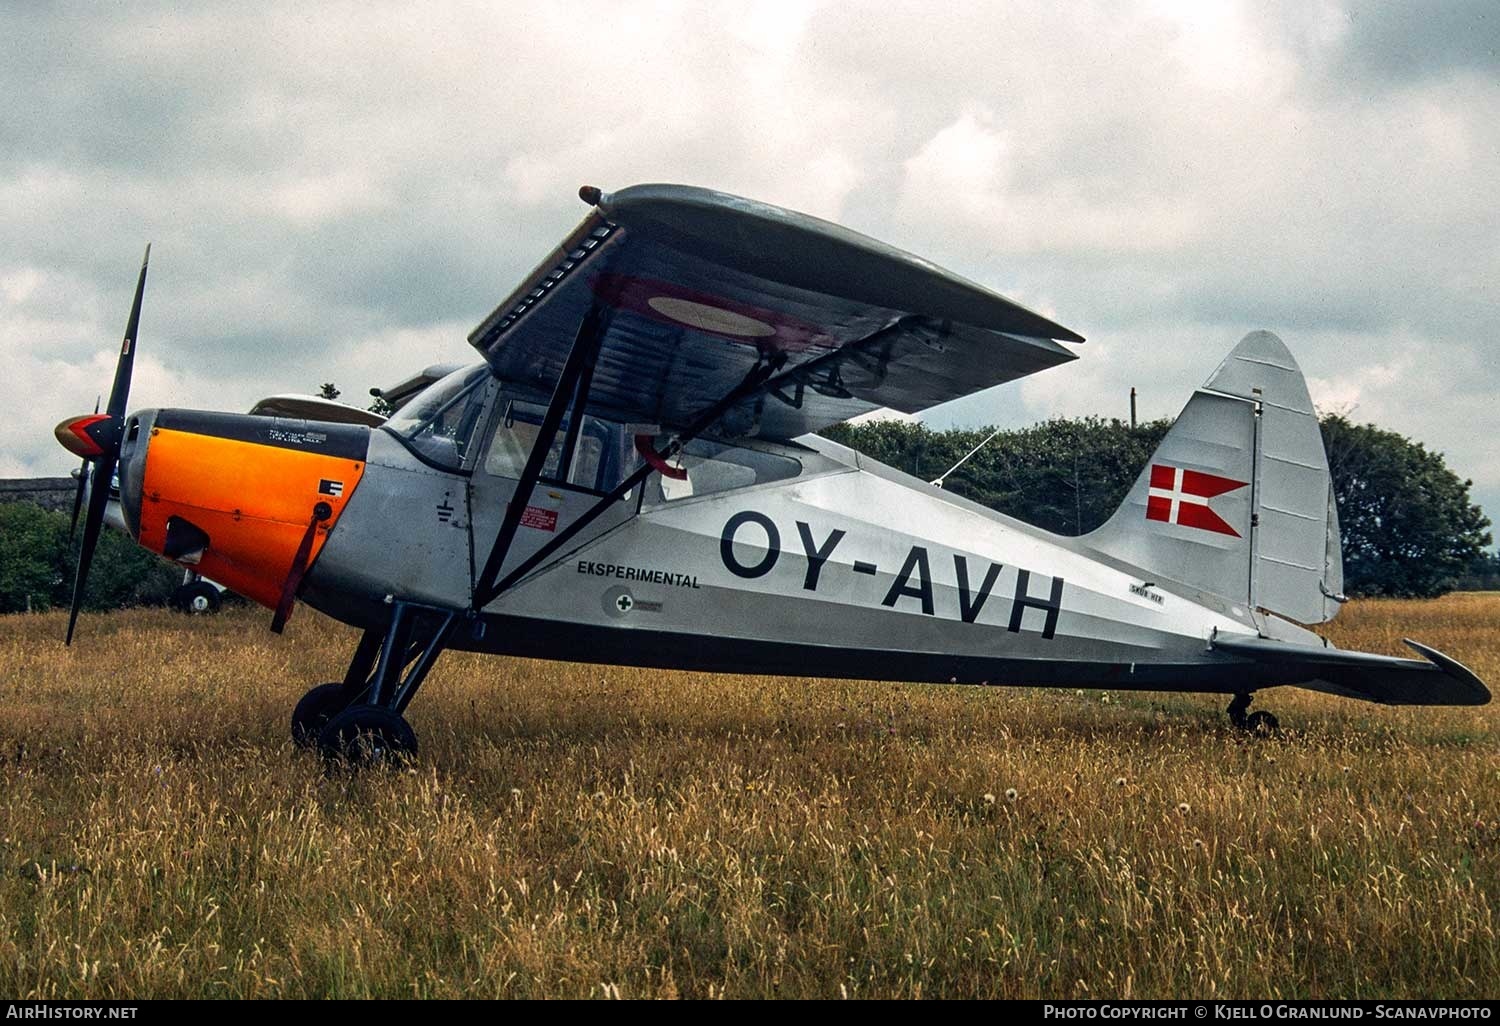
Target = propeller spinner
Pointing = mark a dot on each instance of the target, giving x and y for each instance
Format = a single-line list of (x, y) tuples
[(96, 438)]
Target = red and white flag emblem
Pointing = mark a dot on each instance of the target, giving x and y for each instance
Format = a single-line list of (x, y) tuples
[(1180, 496)]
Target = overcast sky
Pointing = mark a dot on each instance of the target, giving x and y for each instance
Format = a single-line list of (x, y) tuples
[(342, 192)]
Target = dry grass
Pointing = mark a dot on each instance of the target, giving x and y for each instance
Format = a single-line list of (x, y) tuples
[(601, 831)]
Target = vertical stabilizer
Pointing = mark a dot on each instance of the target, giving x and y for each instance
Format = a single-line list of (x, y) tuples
[(1237, 501)]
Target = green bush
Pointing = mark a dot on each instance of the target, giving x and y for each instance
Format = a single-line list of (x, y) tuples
[(36, 565)]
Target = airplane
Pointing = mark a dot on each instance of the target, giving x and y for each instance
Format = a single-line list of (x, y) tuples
[(630, 474)]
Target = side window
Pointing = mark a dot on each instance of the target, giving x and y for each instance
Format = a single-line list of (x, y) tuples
[(715, 467), (439, 424), (512, 445), (588, 459), (596, 463)]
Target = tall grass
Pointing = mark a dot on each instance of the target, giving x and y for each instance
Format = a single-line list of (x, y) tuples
[(596, 831)]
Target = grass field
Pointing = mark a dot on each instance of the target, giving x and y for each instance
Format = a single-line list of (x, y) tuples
[(576, 831)]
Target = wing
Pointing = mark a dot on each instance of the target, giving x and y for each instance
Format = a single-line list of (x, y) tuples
[(315, 408), (698, 287), (400, 394)]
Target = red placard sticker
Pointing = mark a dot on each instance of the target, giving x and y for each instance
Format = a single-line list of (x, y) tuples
[(541, 519)]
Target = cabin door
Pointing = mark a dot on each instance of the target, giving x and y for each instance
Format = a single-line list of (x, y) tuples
[(582, 467)]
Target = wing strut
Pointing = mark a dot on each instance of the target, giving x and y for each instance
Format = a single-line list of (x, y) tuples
[(572, 389), (485, 593), (571, 386)]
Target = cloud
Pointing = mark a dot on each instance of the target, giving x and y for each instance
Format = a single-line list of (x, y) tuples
[(339, 192), (1394, 45)]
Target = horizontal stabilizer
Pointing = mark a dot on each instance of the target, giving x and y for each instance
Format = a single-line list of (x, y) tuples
[(1437, 680)]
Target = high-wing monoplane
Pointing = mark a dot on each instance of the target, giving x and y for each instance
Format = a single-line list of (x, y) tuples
[(630, 474)]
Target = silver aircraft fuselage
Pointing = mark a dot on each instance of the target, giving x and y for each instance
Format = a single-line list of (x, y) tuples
[(848, 569)]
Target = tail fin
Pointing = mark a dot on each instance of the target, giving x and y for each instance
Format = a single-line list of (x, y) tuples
[(1237, 501)]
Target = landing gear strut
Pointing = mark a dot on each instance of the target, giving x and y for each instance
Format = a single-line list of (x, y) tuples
[(1259, 722), (359, 720)]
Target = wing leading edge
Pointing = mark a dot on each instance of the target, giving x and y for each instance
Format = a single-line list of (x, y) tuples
[(699, 287)]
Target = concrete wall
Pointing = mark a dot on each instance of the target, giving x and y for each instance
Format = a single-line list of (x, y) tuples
[(47, 492)]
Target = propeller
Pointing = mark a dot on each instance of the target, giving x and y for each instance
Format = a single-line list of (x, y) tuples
[(97, 439), (83, 482)]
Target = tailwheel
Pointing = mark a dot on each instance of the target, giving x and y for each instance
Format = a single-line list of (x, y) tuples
[(1260, 722), (368, 735), (321, 704)]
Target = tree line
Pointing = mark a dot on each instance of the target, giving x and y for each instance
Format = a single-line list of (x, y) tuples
[(1409, 526), (37, 558)]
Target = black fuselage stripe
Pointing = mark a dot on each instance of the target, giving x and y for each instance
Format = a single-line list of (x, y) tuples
[(345, 441), (589, 643)]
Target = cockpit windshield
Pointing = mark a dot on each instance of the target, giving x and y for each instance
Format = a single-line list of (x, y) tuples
[(438, 425)]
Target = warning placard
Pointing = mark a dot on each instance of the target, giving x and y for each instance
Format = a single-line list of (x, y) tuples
[(541, 519)]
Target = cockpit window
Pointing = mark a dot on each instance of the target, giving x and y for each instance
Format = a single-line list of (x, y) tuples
[(717, 467), (597, 463), (438, 425)]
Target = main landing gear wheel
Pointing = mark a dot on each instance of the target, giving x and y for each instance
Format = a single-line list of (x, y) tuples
[(1260, 723), (198, 599), (321, 704), (368, 735)]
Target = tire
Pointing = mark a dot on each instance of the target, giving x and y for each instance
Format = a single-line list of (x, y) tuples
[(321, 704), (197, 599), (1262, 723), (368, 735)]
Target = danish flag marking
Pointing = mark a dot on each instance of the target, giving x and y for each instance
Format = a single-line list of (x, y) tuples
[(1180, 496)]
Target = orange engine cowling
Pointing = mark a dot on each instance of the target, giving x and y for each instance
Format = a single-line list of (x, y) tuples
[(251, 485)]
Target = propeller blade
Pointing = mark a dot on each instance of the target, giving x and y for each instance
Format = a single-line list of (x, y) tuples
[(93, 522), (83, 474), (120, 392), (108, 442), (83, 482)]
